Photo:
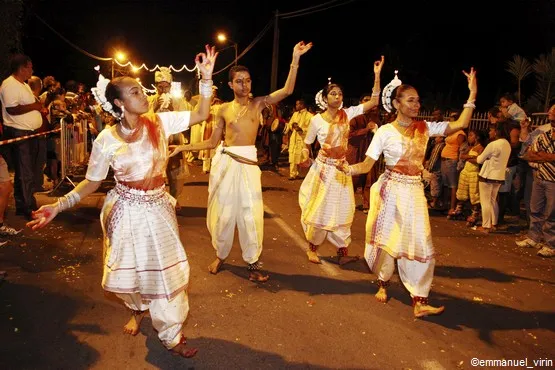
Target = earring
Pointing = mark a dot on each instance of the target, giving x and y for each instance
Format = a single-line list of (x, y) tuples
[(122, 111)]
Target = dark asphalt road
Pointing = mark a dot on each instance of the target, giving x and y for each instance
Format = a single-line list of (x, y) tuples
[(500, 300)]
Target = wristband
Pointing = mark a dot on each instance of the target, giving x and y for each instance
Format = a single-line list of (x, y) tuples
[(205, 88), (68, 201)]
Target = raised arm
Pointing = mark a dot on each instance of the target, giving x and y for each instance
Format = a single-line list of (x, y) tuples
[(375, 100), (466, 115), (278, 95), (205, 63)]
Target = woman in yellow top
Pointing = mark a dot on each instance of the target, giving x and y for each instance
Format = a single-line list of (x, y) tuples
[(468, 179)]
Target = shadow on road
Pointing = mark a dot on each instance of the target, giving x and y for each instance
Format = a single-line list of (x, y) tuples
[(487, 318), (489, 274), (459, 313), (273, 188), (37, 333), (219, 354), (192, 212), (196, 183), (313, 285)]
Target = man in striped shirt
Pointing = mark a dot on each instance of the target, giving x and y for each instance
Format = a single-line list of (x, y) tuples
[(542, 204)]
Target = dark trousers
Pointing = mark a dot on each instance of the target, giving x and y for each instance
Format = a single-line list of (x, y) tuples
[(275, 147), (24, 156), (41, 162)]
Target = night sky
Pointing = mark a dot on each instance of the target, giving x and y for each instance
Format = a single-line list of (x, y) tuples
[(430, 42)]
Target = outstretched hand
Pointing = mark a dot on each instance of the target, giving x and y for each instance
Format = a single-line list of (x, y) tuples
[(175, 150), (205, 61), (43, 216), (378, 64), (471, 77), (301, 48)]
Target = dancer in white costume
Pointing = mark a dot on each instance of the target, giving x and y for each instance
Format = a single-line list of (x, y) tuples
[(398, 226), (326, 196), (145, 264), (234, 190)]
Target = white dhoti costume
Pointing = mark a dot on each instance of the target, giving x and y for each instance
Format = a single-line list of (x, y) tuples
[(235, 200), (326, 195), (398, 225), (145, 263), (327, 204), (144, 257)]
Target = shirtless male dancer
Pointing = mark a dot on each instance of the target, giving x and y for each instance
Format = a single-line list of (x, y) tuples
[(235, 191)]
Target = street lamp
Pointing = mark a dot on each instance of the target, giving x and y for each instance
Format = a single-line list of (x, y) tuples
[(120, 57), (223, 38)]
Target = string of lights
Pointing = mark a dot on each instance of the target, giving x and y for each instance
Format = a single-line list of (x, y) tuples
[(107, 59), (134, 68)]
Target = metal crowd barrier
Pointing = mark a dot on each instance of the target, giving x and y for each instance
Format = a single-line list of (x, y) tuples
[(72, 149)]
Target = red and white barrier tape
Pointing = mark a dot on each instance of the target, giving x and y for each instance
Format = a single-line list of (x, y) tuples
[(9, 141)]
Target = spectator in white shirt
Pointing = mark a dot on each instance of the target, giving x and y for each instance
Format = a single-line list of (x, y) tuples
[(494, 160), (22, 116)]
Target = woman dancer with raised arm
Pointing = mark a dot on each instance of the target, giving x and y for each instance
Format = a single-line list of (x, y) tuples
[(145, 264), (326, 196), (398, 226)]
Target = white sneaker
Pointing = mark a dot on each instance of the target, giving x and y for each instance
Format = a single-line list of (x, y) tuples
[(8, 231), (525, 242), (546, 251)]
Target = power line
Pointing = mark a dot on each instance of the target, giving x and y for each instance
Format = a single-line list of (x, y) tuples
[(307, 9), (70, 43), (318, 10), (248, 48)]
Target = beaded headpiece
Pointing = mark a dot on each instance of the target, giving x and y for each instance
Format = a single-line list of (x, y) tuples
[(99, 93), (386, 93), (319, 99)]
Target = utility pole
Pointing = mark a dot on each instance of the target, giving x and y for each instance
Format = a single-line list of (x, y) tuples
[(275, 53)]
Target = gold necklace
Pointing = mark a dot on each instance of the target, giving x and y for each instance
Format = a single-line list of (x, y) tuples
[(241, 113)]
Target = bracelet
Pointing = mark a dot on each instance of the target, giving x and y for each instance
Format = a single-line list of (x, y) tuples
[(294, 66), (375, 93), (68, 201), (471, 101), (205, 88), (469, 105)]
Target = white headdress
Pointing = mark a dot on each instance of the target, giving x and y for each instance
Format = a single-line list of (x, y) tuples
[(319, 99), (99, 93), (386, 93), (163, 75)]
